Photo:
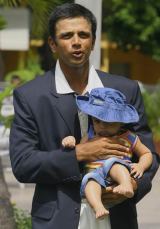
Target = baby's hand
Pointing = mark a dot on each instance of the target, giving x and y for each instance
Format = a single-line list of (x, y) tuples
[(136, 170), (69, 142)]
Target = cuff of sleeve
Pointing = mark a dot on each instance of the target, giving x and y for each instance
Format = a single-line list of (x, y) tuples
[(70, 171), (144, 185)]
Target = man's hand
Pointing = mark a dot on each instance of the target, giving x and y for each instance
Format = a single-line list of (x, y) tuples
[(100, 148), (111, 199)]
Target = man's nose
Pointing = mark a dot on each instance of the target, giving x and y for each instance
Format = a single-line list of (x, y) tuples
[(76, 41)]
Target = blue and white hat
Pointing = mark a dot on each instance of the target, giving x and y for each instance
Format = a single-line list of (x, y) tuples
[(107, 105)]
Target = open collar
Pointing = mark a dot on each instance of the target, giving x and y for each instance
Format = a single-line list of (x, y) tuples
[(62, 86)]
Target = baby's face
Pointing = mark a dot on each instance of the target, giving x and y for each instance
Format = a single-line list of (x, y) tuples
[(106, 129)]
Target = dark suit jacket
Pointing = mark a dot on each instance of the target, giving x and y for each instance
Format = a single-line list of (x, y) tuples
[(42, 119)]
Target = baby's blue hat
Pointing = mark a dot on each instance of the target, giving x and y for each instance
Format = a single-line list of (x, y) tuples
[(107, 105)]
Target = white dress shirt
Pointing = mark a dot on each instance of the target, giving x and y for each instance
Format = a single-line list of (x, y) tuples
[(87, 216), (62, 87)]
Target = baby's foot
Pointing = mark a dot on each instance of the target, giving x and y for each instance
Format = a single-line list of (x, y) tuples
[(101, 212), (125, 190)]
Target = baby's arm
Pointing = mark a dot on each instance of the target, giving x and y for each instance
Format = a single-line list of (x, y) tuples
[(69, 142), (145, 159)]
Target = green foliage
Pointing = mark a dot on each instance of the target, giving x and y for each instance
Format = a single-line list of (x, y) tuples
[(152, 106), (133, 24), (26, 74), (22, 219), (6, 121), (40, 10), (2, 22)]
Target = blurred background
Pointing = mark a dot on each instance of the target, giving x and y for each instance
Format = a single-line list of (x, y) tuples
[(128, 43)]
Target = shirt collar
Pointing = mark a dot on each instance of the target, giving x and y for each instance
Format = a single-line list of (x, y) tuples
[(62, 86)]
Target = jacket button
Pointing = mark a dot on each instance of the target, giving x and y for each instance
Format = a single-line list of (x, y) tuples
[(77, 210)]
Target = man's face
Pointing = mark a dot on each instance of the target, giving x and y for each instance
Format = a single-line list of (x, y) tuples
[(74, 41)]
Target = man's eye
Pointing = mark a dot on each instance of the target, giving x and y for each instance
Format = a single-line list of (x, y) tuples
[(84, 35), (67, 36)]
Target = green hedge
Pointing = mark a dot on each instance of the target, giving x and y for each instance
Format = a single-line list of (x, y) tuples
[(22, 219)]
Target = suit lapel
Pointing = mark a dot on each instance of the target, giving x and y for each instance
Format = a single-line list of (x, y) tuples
[(105, 78), (67, 108)]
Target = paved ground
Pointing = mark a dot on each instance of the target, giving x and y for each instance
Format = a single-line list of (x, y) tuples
[(21, 194), (148, 208)]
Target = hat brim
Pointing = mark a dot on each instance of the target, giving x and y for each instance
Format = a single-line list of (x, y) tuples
[(124, 113)]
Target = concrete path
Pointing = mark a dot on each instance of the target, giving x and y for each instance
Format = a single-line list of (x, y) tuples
[(149, 207), (21, 194)]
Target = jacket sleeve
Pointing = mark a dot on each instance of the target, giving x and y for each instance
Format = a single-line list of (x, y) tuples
[(145, 134), (29, 163)]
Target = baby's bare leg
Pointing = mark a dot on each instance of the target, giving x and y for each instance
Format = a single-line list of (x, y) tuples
[(120, 174), (69, 142), (93, 193)]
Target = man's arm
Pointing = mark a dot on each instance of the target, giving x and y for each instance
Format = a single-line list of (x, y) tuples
[(142, 129), (29, 163)]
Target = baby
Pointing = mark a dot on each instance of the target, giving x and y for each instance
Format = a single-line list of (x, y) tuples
[(109, 112)]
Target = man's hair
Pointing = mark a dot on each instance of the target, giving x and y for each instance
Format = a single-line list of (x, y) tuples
[(71, 10)]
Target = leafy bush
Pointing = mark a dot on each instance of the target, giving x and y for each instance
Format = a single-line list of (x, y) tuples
[(152, 106), (2, 22), (6, 121), (133, 24), (22, 219), (29, 72)]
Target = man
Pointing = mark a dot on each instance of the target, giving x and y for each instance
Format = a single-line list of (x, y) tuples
[(46, 112)]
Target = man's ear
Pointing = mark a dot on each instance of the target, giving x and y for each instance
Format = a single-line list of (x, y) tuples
[(52, 44)]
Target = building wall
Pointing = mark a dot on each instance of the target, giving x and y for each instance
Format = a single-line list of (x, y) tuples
[(132, 64), (10, 60)]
